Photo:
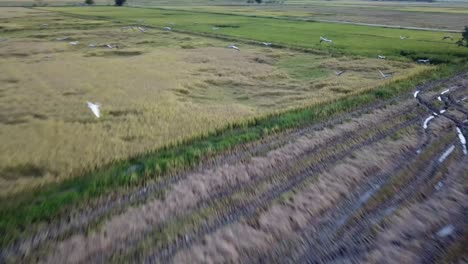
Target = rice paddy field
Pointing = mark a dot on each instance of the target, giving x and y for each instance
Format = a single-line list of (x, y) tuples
[(174, 95), (156, 89)]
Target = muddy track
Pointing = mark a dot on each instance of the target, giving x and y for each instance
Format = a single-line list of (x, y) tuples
[(357, 235), (335, 222), (270, 195)]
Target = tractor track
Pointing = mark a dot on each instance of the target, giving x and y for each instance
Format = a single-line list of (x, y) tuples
[(165, 255), (357, 237), (335, 221)]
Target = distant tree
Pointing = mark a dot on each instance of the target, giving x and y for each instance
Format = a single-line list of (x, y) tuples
[(464, 40), (89, 2), (120, 2)]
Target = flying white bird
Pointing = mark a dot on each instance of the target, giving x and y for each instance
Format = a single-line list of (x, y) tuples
[(338, 73), (385, 76), (381, 57), (167, 28), (322, 39), (403, 37), (233, 47), (268, 44), (423, 60), (74, 42), (95, 109)]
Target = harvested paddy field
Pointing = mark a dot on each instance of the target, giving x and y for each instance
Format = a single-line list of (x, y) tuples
[(169, 136), (156, 88)]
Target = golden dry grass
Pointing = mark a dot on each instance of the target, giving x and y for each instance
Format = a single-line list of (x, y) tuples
[(156, 89)]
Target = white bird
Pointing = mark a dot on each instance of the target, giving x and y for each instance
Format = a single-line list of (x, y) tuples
[(92, 45), (403, 37), (268, 44), (233, 47), (438, 186), (141, 29), (423, 60), (385, 76), (416, 93), (338, 73), (44, 25), (322, 39), (74, 42), (95, 109), (167, 28), (381, 57), (215, 28), (62, 39)]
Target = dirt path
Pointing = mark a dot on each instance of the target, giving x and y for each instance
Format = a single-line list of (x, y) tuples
[(330, 192)]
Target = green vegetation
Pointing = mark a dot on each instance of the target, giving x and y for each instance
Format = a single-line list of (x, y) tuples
[(347, 39)]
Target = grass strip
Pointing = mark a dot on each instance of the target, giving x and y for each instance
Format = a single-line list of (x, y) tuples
[(21, 211)]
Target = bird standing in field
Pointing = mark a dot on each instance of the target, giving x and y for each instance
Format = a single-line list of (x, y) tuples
[(95, 109), (384, 76), (338, 73), (381, 57), (423, 60), (322, 39), (234, 47), (268, 44), (403, 37)]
